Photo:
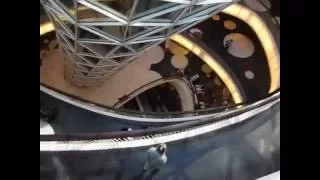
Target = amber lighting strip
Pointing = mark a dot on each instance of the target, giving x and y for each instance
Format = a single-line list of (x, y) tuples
[(213, 63), (46, 28), (265, 36)]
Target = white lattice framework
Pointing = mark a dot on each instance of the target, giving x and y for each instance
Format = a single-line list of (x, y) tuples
[(100, 37)]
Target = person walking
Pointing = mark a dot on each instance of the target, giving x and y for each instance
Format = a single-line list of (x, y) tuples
[(155, 159)]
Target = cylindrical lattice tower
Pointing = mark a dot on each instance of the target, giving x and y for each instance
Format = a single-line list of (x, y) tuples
[(100, 37)]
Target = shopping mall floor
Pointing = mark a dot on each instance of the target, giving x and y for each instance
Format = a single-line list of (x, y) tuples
[(247, 151)]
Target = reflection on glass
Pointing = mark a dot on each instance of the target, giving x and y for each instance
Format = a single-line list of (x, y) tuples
[(197, 9), (67, 5), (85, 13), (145, 7), (115, 31), (122, 6), (133, 30), (169, 16)]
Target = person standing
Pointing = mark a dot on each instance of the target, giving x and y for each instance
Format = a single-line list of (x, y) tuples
[(156, 158), (228, 43)]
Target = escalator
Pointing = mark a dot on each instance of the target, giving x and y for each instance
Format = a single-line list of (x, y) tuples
[(74, 113)]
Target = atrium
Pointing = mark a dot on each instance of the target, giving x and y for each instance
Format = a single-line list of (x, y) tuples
[(120, 76)]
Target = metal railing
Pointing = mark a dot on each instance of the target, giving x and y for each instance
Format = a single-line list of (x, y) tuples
[(152, 82), (165, 129), (137, 115), (150, 137)]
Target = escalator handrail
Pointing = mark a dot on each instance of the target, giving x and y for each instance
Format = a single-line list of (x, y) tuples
[(157, 80), (159, 130), (152, 114)]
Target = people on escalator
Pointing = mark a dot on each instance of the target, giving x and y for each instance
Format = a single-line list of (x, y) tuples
[(156, 158)]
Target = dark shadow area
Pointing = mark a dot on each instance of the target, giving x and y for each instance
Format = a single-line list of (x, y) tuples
[(162, 98)]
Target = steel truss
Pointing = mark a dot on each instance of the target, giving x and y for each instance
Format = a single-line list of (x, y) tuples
[(100, 37)]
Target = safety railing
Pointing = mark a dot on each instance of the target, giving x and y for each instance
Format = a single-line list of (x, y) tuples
[(160, 117), (166, 129), (164, 79), (149, 137)]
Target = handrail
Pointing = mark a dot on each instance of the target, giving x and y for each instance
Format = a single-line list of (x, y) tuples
[(151, 114), (253, 118), (162, 130), (157, 80)]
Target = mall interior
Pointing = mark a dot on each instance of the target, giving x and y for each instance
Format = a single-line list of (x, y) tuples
[(120, 76)]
